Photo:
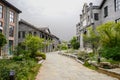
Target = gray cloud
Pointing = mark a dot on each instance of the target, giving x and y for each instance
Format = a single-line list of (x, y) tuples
[(60, 16)]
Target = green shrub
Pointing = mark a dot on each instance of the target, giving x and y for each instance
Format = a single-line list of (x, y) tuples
[(18, 58), (86, 64), (111, 53), (74, 43), (40, 54), (43, 55), (4, 73), (110, 40), (64, 47), (23, 69)]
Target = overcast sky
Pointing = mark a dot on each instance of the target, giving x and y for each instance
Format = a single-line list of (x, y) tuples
[(61, 16)]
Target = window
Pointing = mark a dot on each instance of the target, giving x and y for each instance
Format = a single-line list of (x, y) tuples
[(43, 36), (35, 33), (85, 31), (106, 11), (0, 24), (10, 47), (40, 34), (30, 33), (23, 34), (46, 37), (88, 18), (19, 34), (96, 16), (0, 27), (117, 5), (1, 11), (11, 16), (84, 23), (11, 31)]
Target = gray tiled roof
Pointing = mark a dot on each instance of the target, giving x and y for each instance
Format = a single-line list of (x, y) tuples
[(102, 3), (32, 26)]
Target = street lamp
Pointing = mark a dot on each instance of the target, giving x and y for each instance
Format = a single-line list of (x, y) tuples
[(12, 75)]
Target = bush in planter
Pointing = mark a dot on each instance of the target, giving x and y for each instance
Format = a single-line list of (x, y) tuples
[(40, 54), (23, 69), (33, 44), (83, 56), (20, 54)]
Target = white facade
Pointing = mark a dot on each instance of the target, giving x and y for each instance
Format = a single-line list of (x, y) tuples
[(93, 16)]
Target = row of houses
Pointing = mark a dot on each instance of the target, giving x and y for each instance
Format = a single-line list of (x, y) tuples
[(44, 32), (15, 30), (93, 16)]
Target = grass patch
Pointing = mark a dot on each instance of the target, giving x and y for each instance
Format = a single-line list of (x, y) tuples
[(33, 72), (86, 64)]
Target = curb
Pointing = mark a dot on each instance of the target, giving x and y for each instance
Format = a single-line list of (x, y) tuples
[(72, 56), (109, 73), (41, 61)]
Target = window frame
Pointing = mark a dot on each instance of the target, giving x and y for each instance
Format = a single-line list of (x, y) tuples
[(1, 24), (23, 34), (19, 34), (1, 11), (105, 11), (35, 33), (11, 34), (117, 5), (96, 16), (30, 32), (11, 46), (12, 16)]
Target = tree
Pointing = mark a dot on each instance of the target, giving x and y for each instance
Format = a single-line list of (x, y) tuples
[(92, 39), (74, 43), (63, 46), (3, 41), (109, 34), (33, 44), (110, 40)]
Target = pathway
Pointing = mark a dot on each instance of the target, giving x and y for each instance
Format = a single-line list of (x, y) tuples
[(58, 67)]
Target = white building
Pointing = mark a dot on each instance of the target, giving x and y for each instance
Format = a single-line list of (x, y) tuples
[(93, 16)]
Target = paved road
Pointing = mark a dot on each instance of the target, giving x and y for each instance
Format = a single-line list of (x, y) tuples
[(58, 67)]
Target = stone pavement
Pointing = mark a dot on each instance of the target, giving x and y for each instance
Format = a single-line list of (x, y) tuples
[(58, 67)]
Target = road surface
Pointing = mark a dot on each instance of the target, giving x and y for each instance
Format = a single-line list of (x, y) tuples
[(58, 67)]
